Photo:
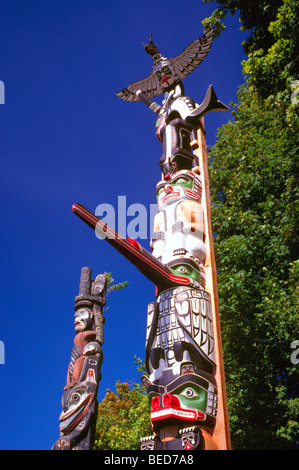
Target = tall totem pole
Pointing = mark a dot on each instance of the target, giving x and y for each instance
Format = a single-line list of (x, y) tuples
[(183, 354)]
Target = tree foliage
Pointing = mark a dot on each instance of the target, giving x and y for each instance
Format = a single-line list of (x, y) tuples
[(255, 16), (123, 417), (112, 287), (254, 194), (253, 176), (272, 45)]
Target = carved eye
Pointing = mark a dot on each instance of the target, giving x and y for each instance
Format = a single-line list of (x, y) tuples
[(83, 313), (75, 397), (182, 270), (182, 180), (189, 393), (160, 190)]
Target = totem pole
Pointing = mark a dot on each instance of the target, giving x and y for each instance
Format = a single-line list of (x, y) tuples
[(183, 354), (79, 400)]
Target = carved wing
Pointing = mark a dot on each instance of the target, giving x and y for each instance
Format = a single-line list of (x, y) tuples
[(183, 64), (193, 55), (148, 85)]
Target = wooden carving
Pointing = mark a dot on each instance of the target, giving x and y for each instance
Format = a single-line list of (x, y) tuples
[(79, 400), (185, 376)]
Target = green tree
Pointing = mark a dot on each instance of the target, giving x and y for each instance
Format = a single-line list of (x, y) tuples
[(254, 196), (255, 16), (123, 417), (112, 287), (253, 176), (272, 47)]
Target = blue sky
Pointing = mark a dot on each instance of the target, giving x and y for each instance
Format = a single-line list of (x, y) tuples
[(66, 138)]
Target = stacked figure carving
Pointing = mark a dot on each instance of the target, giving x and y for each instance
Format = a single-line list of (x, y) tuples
[(180, 354), (79, 400), (180, 350)]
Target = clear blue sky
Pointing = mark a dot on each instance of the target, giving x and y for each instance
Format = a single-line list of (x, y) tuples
[(66, 138)]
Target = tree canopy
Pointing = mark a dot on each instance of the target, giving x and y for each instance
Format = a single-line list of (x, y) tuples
[(272, 45), (123, 416), (252, 173), (254, 192)]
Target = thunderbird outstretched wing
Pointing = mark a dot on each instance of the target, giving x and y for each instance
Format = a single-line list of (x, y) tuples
[(149, 86), (183, 64), (193, 55)]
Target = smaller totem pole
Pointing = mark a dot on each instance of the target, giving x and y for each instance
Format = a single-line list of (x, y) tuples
[(79, 401)]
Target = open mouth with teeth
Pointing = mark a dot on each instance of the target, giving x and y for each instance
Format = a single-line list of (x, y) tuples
[(170, 413)]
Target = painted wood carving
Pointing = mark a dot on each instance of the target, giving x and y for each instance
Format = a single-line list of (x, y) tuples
[(79, 400), (167, 73), (185, 380)]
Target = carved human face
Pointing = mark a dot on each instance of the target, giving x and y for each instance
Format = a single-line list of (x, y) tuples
[(183, 185), (83, 319), (164, 73)]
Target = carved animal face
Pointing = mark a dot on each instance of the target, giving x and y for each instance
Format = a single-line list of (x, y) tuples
[(186, 403), (75, 405), (188, 438), (184, 267), (189, 398), (151, 48)]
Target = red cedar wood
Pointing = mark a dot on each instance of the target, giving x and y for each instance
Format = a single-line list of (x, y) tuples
[(219, 437), (221, 433)]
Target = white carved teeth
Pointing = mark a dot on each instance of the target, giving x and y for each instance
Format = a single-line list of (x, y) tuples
[(173, 412), (147, 438)]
